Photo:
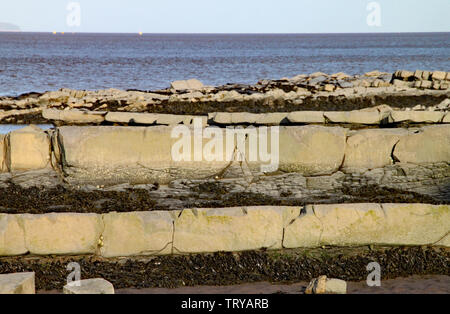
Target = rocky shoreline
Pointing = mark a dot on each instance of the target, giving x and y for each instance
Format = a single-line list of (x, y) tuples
[(402, 90), (362, 174)]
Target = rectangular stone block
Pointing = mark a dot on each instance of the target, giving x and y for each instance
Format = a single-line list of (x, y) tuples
[(341, 224), (153, 118), (272, 118), (138, 154), (311, 150), (366, 224), (417, 116), (306, 117), (231, 229), (17, 283), (62, 234), (12, 237), (430, 144), (354, 117), (74, 116), (371, 148), (28, 149), (138, 233), (416, 224), (304, 231), (438, 75)]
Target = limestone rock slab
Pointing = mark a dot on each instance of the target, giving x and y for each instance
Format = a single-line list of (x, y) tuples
[(191, 84), (231, 229), (416, 224), (306, 117), (74, 115), (429, 144), (62, 233), (28, 149), (138, 233), (17, 283), (418, 116), (136, 154), (365, 224), (12, 237), (89, 286), (311, 150), (371, 148)]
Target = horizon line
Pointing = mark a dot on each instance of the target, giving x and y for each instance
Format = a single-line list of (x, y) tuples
[(218, 33)]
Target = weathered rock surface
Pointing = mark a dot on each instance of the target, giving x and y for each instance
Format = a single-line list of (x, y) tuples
[(231, 229), (138, 233), (372, 148), (311, 150), (364, 224), (12, 237), (191, 84), (89, 286), (324, 285), (74, 116), (426, 145), (28, 148), (60, 233), (17, 283), (317, 91), (235, 229)]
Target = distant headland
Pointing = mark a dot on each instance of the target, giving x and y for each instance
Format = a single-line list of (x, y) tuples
[(8, 27)]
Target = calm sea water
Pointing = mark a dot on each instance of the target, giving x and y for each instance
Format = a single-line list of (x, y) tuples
[(40, 62)]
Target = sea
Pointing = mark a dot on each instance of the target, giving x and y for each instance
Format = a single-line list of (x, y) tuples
[(39, 62)]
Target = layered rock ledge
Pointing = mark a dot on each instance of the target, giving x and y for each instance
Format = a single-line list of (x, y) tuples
[(354, 162), (224, 229), (318, 92), (133, 167)]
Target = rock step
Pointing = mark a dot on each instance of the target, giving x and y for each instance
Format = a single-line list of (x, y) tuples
[(224, 229), (370, 116), (17, 283), (161, 154)]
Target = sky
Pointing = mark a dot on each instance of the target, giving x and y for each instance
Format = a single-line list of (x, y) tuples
[(228, 16)]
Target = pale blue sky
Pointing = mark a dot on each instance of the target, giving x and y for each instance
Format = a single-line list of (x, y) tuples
[(228, 16)]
